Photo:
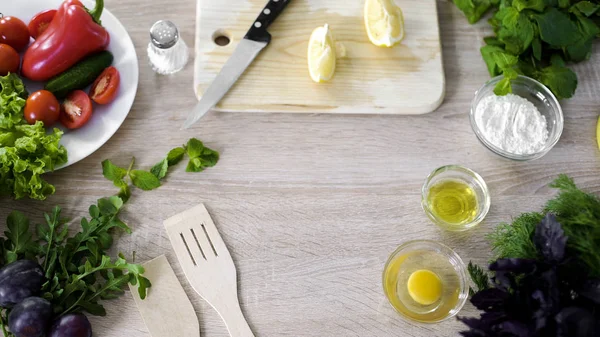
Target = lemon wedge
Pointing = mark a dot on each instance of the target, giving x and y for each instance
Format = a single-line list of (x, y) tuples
[(424, 286), (384, 22), (321, 54)]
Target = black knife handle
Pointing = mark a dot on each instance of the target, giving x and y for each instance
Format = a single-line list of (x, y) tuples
[(258, 32)]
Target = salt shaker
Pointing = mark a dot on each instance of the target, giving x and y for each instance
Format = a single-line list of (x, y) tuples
[(167, 52)]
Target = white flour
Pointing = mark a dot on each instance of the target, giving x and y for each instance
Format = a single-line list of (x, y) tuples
[(512, 123)]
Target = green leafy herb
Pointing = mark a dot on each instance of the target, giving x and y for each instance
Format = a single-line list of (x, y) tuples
[(479, 277), (113, 172), (26, 151), (474, 9), (175, 156), (160, 170), (201, 157), (579, 214), (144, 180), (78, 270), (19, 242), (531, 34)]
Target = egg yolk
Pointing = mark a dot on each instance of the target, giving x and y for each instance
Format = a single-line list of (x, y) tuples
[(425, 287)]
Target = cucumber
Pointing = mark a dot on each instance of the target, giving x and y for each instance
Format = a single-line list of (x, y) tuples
[(80, 75)]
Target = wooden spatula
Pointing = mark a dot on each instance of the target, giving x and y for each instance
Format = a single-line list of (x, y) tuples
[(167, 311), (208, 265)]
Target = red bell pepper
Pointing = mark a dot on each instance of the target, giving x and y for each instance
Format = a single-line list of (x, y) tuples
[(73, 34)]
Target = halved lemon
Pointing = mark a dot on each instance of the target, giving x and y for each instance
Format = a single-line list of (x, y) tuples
[(384, 22), (321, 54)]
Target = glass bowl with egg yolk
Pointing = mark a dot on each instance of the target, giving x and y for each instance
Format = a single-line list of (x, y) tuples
[(425, 281)]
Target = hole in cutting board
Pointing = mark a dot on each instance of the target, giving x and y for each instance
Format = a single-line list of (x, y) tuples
[(221, 38)]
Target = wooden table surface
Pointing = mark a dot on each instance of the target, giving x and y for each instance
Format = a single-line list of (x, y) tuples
[(312, 205)]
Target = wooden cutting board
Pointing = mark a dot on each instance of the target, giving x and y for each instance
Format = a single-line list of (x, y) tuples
[(405, 79)]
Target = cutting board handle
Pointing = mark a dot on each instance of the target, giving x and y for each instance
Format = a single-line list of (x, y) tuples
[(258, 31)]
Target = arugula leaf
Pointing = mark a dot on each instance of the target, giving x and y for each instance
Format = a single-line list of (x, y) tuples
[(112, 172), (19, 238), (51, 234), (160, 170), (144, 180)]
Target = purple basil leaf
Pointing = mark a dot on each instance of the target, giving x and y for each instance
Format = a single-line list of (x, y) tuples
[(491, 299), (471, 322), (504, 280), (591, 291), (550, 239), (517, 266), (477, 328), (492, 317), (473, 333), (505, 268), (547, 294), (515, 328), (576, 322)]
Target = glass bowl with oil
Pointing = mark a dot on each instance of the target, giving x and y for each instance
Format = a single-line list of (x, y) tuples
[(425, 281), (455, 198)]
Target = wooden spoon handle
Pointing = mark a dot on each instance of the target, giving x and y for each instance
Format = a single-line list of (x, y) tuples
[(235, 321)]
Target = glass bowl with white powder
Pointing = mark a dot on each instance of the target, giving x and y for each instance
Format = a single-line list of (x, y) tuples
[(522, 126)]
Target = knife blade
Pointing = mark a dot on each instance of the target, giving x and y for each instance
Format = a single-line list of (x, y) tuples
[(244, 54)]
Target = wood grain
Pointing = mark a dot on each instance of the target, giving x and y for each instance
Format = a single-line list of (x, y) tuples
[(405, 79), (311, 205)]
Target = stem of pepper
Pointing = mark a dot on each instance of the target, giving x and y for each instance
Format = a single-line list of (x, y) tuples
[(96, 13)]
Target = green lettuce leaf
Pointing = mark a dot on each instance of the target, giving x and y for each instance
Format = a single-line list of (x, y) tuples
[(26, 151)]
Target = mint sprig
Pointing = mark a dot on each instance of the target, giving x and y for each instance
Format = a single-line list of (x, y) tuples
[(200, 158)]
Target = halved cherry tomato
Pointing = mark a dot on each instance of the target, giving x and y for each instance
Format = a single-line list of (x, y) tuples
[(13, 32), (42, 106), (105, 87), (76, 110), (40, 22), (9, 60)]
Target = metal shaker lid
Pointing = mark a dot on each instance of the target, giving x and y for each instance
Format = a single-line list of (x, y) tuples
[(164, 34)]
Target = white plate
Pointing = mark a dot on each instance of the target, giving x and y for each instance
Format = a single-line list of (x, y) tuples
[(106, 119)]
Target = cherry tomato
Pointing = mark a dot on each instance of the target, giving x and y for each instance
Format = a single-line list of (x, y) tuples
[(42, 106), (9, 60), (13, 32), (76, 110), (105, 87), (40, 22)]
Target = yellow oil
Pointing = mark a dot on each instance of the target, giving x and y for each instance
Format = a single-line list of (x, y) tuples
[(396, 278), (453, 201)]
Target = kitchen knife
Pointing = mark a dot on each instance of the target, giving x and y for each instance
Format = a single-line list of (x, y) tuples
[(251, 45)]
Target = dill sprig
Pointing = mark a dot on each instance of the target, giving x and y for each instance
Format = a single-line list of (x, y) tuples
[(579, 214)]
